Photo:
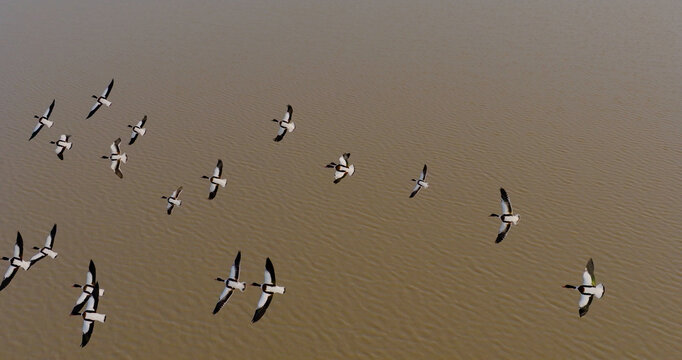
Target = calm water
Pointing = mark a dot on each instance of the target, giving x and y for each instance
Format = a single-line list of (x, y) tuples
[(574, 107)]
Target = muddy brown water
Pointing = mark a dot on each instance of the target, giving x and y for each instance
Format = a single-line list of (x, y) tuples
[(573, 107)]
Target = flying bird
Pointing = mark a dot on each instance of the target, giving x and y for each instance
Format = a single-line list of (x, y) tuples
[(138, 130), (102, 99), (588, 290), (42, 121), (268, 288), (62, 144), (90, 315), (342, 168), (231, 283), (508, 217), (173, 200), (15, 262), (87, 289), (116, 157), (47, 249), (285, 125), (215, 180), (420, 183)]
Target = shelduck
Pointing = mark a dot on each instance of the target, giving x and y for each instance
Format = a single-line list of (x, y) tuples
[(47, 249), (173, 200), (268, 288), (508, 217), (15, 262), (87, 289), (138, 130), (90, 315), (231, 283), (42, 121), (215, 180), (420, 183), (62, 144), (285, 125), (588, 290), (342, 168), (102, 99), (116, 157)]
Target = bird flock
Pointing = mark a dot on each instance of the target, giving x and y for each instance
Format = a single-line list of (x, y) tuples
[(87, 303)]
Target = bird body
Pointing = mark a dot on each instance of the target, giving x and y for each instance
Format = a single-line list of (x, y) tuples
[(87, 289), (117, 157), (138, 129), (62, 144), (90, 315), (420, 182), (231, 283), (588, 290), (42, 121), (285, 125), (268, 288), (507, 217), (215, 180), (342, 169), (47, 249), (173, 200), (101, 100), (15, 262)]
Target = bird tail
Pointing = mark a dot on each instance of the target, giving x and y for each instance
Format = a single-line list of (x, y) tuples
[(221, 182), (25, 265), (68, 145), (124, 158), (48, 123), (97, 317), (351, 170), (425, 185), (600, 291), (141, 131), (290, 126), (105, 102)]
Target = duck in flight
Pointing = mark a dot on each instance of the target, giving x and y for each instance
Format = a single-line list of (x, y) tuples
[(90, 315), (15, 262), (87, 289), (508, 217), (116, 157), (47, 249), (215, 180), (268, 288), (173, 200), (102, 99), (62, 144), (342, 168), (420, 183), (138, 130), (42, 121), (285, 125), (231, 283), (588, 290)]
